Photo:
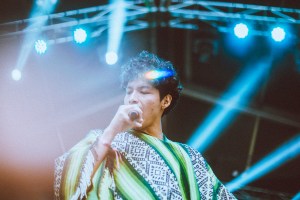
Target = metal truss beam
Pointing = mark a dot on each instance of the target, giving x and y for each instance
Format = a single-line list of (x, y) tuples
[(182, 14), (58, 27), (222, 15)]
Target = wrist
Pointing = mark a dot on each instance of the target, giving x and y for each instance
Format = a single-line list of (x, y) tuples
[(108, 135), (98, 146)]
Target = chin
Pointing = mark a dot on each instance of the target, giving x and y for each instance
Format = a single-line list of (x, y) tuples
[(139, 128)]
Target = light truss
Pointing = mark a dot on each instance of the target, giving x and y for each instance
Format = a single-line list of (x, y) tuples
[(181, 14), (221, 14), (58, 26)]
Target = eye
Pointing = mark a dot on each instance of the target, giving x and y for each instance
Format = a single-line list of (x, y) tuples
[(128, 91), (145, 92)]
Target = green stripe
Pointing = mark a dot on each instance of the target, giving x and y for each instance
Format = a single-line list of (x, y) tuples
[(216, 189), (184, 177), (131, 184), (104, 191), (93, 192), (193, 182), (73, 163), (188, 170), (121, 194), (167, 156)]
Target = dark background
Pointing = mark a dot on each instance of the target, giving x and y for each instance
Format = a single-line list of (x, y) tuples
[(70, 90)]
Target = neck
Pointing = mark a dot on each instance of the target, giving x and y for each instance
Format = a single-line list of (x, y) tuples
[(154, 130)]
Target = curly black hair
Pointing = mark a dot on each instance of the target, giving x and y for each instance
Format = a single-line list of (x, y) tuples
[(145, 62)]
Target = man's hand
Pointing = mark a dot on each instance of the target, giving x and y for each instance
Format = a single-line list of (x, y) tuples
[(122, 121)]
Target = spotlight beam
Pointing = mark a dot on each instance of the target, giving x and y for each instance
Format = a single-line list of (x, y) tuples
[(297, 196), (284, 153), (116, 25), (31, 36), (27, 44), (239, 94)]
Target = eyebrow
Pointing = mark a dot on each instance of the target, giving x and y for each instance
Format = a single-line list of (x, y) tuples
[(140, 87)]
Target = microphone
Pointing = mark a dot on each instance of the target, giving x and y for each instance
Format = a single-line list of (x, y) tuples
[(133, 115)]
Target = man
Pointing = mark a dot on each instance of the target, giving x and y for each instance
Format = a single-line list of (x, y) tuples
[(132, 158)]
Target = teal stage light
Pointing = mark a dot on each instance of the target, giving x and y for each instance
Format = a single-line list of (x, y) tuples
[(278, 34), (16, 74), (80, 35), (40, 46), (241, 30), (111, 58)]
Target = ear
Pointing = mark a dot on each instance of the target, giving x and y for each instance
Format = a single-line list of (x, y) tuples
[(166, 101)]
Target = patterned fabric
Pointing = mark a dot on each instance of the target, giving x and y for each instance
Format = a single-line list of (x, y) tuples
[(149, 168)]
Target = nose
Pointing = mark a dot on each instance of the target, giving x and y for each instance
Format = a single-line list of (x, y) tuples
[(133, 98)]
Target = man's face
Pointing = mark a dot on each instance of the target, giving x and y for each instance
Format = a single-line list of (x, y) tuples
[(147, 97)]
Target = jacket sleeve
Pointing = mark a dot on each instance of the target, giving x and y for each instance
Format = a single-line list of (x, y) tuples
[(73, 170)]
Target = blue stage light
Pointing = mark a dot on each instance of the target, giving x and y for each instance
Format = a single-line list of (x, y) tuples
[(40, 46), (222, 115), (278, 34), (80, 35), (241, 30), (284, 153), (16, 74), (111, 58), (45, 3)]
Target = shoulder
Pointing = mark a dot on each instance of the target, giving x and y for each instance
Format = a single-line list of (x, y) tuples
[(190, 150), (194, 154)]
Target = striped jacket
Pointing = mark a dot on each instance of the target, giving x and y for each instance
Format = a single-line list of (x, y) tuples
[(145, 168)]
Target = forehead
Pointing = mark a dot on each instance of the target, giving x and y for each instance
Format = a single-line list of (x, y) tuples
[(139, 83)]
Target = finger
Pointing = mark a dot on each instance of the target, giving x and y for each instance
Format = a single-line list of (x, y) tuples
[(139, 121), (138, 124)]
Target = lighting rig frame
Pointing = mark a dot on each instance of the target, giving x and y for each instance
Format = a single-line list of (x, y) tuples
[(181, 14)]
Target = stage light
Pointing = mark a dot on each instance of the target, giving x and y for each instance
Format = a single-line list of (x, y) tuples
[(40, 3), (16, 74), (157, 74), (278, 34), (111, 58), (45, 3), (284, 153), (80, 35), (39, 14), (222, 115), (241, 30), (40, 46)]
